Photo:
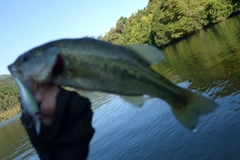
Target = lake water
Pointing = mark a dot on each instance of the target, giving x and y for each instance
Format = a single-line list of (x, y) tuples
[(207, 63)]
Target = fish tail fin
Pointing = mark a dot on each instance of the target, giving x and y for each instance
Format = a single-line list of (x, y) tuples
[(189, 114)]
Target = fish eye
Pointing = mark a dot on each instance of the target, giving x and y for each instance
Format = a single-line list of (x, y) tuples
[(26, 57)]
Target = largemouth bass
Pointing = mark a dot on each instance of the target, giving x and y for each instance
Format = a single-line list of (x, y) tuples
[(94, 65), (29, 103)]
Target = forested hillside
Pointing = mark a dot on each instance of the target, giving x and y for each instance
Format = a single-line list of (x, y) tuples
[(9, 104), (164, 21)]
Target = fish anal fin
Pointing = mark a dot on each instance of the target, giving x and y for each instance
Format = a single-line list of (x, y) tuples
[(137, 101), (189, 115), (150, 53)]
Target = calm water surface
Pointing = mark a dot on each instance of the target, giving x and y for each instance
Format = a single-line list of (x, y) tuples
[(207, 63)]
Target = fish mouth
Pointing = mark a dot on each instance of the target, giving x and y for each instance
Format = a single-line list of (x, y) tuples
[(13, 70), (58, 66)]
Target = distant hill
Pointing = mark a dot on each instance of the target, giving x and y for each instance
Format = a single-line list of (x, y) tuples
[(9, 104), (2, 76)]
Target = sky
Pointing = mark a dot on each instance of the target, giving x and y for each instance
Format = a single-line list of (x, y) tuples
[(26, 24)]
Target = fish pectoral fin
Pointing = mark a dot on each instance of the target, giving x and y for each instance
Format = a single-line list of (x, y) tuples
[(137, 101), (85, 93), (150, 53)]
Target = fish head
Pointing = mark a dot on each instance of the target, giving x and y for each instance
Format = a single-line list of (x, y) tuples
[(37, 65)]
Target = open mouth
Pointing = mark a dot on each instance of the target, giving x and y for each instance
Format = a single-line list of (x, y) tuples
[(58, 66)]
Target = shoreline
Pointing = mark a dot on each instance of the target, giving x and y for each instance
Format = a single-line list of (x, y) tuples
[(10, 114), (9, 120)]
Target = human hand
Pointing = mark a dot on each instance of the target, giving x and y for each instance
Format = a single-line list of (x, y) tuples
[(46, 96)]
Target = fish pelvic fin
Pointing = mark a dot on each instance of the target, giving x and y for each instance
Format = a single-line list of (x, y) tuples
[(189, 114), (85, 93), (81, 92), (137, 101), (150, 53)]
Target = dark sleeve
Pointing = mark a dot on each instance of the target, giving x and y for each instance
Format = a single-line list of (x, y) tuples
[(29, 126), (34, 138), (75, 141), (80, 122)]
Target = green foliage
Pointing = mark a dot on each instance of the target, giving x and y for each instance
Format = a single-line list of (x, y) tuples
[(177, 18), (8, 94), (163, 21), (217, 50), (135, 29)]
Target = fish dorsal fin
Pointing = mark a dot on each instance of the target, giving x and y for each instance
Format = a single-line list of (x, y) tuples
[(150, 53), (137, 101)]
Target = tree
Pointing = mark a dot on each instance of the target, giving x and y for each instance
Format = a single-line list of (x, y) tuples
[(164, 21)]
